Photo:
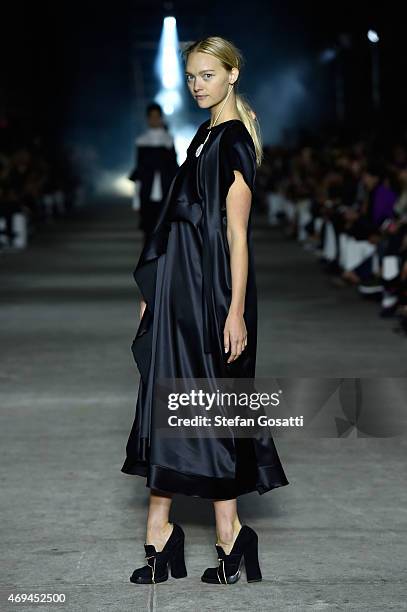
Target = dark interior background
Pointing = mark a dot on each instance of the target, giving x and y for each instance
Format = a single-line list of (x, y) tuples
[(83, 71)]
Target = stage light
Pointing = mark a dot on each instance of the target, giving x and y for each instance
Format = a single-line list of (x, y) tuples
[(170, 100), (168, 64), (170, 72), (170, 22), (123, 186), (373, 36)]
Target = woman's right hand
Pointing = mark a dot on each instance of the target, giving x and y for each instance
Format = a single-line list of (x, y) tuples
[(142, 308)]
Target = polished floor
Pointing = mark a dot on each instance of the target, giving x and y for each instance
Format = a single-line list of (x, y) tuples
[(72, 523)]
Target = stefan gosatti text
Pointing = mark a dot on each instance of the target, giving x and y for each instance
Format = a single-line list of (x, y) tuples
[(237, 421)]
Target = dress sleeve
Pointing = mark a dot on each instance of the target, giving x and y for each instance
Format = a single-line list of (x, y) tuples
[(237, 153)]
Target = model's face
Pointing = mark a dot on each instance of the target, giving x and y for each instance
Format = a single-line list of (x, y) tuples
[(207, 79), (154, 119)]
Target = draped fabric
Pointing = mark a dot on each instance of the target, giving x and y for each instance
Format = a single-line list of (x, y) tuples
[(184, 276)]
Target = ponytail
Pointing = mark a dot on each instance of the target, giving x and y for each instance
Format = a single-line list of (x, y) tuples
[(248, 116)]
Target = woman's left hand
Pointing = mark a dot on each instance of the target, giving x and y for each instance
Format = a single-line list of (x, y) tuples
[(234, 336)]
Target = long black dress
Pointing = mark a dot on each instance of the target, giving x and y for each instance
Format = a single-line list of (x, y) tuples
[(184, 276)]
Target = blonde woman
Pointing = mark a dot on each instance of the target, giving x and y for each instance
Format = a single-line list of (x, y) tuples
[(199, 320)]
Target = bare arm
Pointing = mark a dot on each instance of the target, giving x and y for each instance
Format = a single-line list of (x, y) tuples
[(238, 203)]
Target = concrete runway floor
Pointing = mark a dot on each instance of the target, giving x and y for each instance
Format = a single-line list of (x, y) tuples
[(72, 523)]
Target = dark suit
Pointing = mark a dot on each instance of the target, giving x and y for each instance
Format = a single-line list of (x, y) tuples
[(152, 158)]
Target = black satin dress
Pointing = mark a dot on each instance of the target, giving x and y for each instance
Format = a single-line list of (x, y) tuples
[(184, 276)]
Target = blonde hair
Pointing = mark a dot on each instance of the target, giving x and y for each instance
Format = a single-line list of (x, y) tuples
[(230, 57)]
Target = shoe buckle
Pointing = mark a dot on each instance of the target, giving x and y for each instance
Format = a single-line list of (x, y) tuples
[(221, 561), (152, 566)]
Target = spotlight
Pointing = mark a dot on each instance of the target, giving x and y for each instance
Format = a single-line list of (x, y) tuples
[(373, 36), (168, 64), (123, 186), (169, 99)]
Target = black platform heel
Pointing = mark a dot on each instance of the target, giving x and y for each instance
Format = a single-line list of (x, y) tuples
[(156, 569), (230, 566)]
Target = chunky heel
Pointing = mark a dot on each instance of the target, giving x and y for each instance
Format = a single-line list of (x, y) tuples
[(251, 562), (229, 568), (171, 555), (177, 562)]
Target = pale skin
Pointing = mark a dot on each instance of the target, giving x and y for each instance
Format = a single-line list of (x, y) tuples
[(206, 76)]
